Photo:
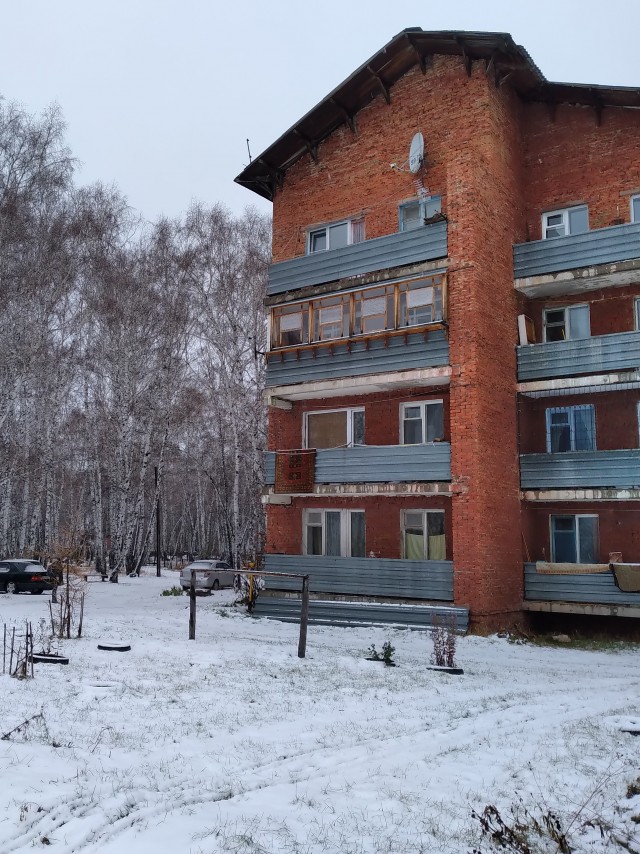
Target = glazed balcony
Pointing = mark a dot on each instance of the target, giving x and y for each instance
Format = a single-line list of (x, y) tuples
[(377, 464), (370, 256), (578, 262), (581, 470), (396, 352), (365, 576), (601, 354), (587, 593)]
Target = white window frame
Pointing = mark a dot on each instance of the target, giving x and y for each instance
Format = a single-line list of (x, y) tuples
[(423, 205), (636, 313), (425, 528), (566, 222), (423, 418), (350, 410), (576, 516), (326, 228), (634, 198), (571, 410), (567, 319), (345, 528)]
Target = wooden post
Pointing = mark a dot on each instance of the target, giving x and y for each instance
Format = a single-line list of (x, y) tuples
[(158, 573), (304, 617), (192, 606)]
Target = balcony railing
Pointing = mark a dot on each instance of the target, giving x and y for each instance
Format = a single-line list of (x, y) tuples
[(581, 469), (598, 355), (377, 464), (593, 588), (365, 576), (394, 250), (601, 246), (393, 351)]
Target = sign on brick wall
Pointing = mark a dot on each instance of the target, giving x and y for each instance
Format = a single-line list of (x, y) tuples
[(295, 470)]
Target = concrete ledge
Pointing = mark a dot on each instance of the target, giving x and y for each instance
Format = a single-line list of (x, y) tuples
[(582, 608)]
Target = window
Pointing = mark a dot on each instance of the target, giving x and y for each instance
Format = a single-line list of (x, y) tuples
[(635, 208), (571, 428), (374, 310), (335, 236), (335, 428), (330, 318), (574, 539), (568, 221), (563, 324), (334, 532), (413, 214), (421, 301), (291, 325), (421, 422), (423, 536)]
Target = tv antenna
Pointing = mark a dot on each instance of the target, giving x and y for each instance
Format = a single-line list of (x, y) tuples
[(416, 156)]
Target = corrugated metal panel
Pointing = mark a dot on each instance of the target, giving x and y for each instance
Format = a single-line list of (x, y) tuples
[(598, 469), (328, 613), (599, 588), (377, 464), (601, 246), (365, 576), (597, 355), (381, 253), (359, 358)]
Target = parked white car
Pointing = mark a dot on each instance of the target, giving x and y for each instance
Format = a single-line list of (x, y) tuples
[(211, 574)]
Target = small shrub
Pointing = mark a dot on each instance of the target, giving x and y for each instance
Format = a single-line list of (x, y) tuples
[(386, 655), (172, 591), (443, 638)]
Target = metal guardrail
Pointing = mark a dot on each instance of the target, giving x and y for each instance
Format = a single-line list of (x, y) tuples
[(369, 256), (600, 246), (618, 469), (601, 354), (377, 464), (599, 588)]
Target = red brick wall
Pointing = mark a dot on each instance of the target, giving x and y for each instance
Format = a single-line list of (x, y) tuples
[(573, 161), (611, 309), (616, 419), (381, 417), (618, 526), (382, 521)]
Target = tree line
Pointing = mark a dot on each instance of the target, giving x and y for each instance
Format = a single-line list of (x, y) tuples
[(127, 350)]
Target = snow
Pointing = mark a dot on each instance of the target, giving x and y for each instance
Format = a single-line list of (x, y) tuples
[(232, 743)]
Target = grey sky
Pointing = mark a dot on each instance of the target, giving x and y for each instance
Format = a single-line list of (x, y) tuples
[(160, 95)]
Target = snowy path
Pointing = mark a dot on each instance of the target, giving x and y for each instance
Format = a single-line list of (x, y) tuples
[(230, 743)]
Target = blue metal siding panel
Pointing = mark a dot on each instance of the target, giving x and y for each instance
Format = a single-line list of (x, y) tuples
[(328, 613), (377, 464), (598, 589), (364, 576), (381, 253), (597, 469), (601, 246), (359, 359), (601, 354)]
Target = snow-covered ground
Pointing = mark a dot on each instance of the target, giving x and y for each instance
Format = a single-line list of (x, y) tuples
[(232, 743)]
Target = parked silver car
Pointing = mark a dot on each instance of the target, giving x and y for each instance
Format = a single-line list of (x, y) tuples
[(211, 574)]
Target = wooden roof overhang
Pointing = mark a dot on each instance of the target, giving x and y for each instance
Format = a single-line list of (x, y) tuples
[(503, 59)]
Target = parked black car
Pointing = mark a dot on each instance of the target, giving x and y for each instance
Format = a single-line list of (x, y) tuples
[(19, 575)]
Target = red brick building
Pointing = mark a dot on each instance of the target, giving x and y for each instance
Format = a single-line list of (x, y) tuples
[(456, 334)]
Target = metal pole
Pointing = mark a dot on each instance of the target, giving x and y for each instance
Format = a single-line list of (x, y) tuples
[(158, 573), (192, 606), (304, 617)]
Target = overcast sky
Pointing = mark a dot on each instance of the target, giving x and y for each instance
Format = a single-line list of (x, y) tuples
[(161, 95)]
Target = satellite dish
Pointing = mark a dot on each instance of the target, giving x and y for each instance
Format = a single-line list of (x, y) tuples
[(416, 153)]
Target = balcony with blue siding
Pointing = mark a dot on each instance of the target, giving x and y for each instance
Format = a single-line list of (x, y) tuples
[(377, 464), (600, 354), (587, 589), (581, 470), (396, 351), (427, 243), (365, 576), (599, 257)]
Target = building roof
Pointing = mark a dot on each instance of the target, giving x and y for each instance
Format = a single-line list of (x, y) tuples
[(503, 58)]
